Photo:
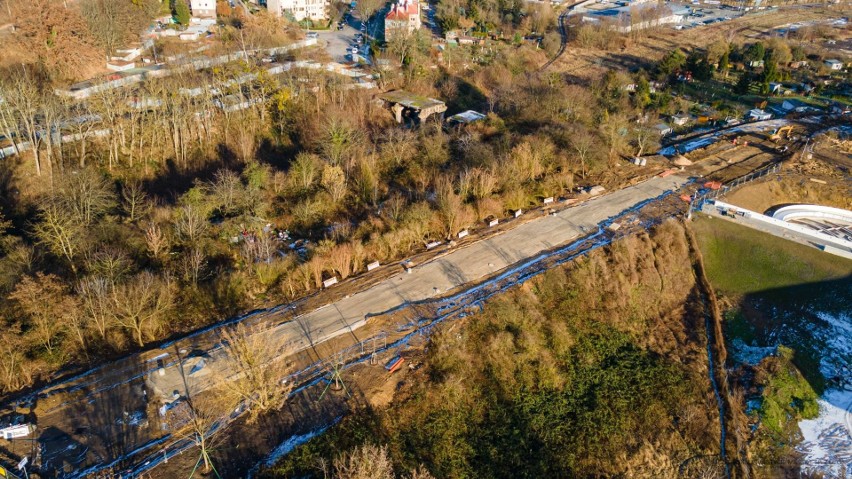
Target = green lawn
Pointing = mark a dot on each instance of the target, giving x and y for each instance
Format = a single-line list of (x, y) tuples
[(740, 260)]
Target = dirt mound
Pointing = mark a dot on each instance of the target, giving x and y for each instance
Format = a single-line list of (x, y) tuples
[(794, 185)]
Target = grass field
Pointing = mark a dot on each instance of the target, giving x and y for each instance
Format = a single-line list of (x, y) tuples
[(741, 261)]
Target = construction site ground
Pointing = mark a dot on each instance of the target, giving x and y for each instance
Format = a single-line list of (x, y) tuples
[(367, 383), (644, 47)]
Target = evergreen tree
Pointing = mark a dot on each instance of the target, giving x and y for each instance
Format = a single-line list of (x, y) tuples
[(672, 62), (182, 12), (743, 84), (642, 95), (755, 52)]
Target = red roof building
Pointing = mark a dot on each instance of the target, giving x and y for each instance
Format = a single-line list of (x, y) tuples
[(403, 17)]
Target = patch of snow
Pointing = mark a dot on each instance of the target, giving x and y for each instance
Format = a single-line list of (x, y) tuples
[(751, 355), (838, 336), (827, 440), (286, 447)]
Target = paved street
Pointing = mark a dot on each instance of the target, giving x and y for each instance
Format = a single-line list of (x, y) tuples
[(102, 398), (337, 42)]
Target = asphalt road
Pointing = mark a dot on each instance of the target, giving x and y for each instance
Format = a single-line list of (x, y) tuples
[(337, 42), (93, 407)]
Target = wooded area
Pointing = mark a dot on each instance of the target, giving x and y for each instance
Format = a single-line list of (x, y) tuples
[(171, 212)]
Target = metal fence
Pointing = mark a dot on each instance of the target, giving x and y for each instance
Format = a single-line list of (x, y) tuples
[(697, 202)]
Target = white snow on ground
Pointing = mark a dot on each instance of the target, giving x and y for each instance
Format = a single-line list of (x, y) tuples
[(286, 447), (752, 355), (838, 335), (827, 440)]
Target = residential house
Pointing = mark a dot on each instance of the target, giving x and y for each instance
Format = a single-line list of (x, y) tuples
[(466, 117), (299, 10), (403, 18), (203, 8), (664, 129)]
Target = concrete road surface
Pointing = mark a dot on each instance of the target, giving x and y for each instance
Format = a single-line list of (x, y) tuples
[(469, 264), (90, 406)]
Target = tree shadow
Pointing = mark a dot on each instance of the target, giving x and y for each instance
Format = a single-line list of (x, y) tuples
[(813, 319), (467, 97), (174, 181)]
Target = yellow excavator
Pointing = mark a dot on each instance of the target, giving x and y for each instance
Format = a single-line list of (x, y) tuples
[(783, 132)]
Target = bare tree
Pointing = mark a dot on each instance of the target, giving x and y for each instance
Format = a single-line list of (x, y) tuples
[(205, 412), (110, 262), (340, 260), (16, 370), (140, 305), (367, 8), (63, 235), (453, 211), (22, 107), (398, 146), (368, 461), (156, 240), (192, 263), (227, 191), (257, 370), (333, 180), (645, 137), (135, 202), (110, 22), (583, 143), (613, 129), (47, 304), (304, 172), (96, 303), (86, 194), (191, 222)]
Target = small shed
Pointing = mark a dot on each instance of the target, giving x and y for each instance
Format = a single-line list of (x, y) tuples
[(664, 129), (465, 117), (834, 65), (680, 119), (758, 115)]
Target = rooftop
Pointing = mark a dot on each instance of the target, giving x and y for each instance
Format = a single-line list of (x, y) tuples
[(469, 116), (410, 100)]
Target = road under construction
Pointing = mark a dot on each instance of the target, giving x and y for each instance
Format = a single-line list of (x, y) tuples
[(106, 419)]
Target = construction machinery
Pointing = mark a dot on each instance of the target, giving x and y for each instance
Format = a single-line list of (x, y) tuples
[(785, 132)]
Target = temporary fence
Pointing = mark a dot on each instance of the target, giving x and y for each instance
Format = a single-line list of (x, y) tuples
[(705, 195)]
